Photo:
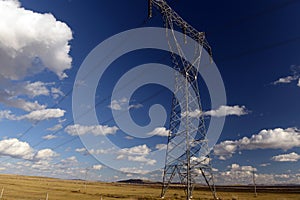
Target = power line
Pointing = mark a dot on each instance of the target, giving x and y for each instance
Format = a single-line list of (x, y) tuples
[(249, 52)]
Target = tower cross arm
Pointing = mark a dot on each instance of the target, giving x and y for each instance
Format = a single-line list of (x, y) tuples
[(189, 30)]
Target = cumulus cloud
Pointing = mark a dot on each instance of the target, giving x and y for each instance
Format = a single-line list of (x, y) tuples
[(96, 130), (142, 159), (287, 79), (101, 151), (265, 164), (133, 170), (236, 167), (45, 114), (236, 174), (84, 151), (56, 92), (49, 137), (291, 157), (6, 114), (34, 89), (19, 103), (159, 131), (13, 94), (272, 139), (225, 149), (55, 127), (97, 167), (45, 154), (295, 76), (32, 43), (81, 150), (222, 111), (136, 154), (120, 104), (70, 161), (22, 150), (37, 115), (16, 149), (136, 150), (266, 139), (227, 110), (196, 113)]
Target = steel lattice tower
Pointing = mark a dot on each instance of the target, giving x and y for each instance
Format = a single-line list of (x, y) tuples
[(187, 151)]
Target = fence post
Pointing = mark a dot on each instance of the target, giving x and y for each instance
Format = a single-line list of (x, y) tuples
[(2, 193)]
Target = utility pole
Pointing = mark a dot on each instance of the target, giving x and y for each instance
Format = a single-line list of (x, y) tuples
[(254, 183), (85, 178)]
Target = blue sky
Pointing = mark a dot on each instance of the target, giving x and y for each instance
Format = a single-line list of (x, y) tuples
[(43, 44)]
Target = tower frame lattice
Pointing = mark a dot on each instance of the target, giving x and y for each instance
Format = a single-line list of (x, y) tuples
[(187, 151)]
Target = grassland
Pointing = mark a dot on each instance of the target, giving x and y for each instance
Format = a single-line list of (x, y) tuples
[(35, 188)]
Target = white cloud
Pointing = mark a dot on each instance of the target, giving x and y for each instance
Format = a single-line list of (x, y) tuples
[(32, 43), (265, 164), (55, 127), (45, 154), (237, 168), (133, 170), (69, 161), (236, 174), (291, 157), (295, 76), (142, 159), (227, 110), (196, 113), (96, 130), (13, 93), (136, 150), (37, 115), (272, 139), (84, 151), (16, 149), (101, 151), (266, 139), (121, 103), (135, 106), (201, 159), (159, 131), (49, 137), (97, 167), (35, 89), (115, 105), (287, 79), (136, 154), (225, 149), (45, 114), (19, 103), (7, 114), (81, 150), (56, 92), (22, 150)]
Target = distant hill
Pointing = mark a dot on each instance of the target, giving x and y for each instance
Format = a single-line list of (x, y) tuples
[(138, 181)]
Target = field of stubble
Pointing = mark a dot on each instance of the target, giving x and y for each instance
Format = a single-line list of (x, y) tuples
[(35, 188)]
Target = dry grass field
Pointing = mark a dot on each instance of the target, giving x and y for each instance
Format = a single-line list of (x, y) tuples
[(35, 188)]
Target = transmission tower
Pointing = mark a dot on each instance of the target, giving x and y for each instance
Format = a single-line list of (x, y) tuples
[(187, 151)]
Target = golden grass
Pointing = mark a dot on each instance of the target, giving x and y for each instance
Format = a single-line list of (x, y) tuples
[(34, 188)]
